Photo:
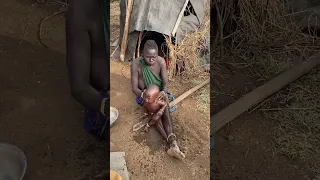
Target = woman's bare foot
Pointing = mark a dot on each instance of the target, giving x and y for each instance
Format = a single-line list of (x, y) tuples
[(174, 151)]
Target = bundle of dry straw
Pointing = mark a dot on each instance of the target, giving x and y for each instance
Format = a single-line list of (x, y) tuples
[(186, 55), (261, 28)]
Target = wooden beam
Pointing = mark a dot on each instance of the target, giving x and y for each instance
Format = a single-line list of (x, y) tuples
[(187, 93)]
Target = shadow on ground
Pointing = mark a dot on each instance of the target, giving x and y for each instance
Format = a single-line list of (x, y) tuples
[(38, 115)]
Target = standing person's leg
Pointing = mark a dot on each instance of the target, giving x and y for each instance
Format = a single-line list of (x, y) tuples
[(96, 123)]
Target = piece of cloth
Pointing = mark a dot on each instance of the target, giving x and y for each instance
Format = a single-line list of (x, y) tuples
[(149, 77), (114, 175), (96, 123), (212, 142), (140, 101)]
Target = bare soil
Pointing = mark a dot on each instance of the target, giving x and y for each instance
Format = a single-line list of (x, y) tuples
[(37, 111)]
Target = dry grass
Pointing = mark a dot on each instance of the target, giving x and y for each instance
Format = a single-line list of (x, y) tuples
[(262, 29), (203, 100), (266, 38), (297, 114), (187, 54)]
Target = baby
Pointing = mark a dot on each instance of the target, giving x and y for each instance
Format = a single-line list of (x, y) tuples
[(157, 103), (154, 103)]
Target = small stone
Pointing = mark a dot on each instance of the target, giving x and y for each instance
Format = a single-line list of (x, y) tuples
[(230, 138)]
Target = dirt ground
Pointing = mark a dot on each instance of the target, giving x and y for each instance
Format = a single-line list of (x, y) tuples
[(37, 113), (146, 152)]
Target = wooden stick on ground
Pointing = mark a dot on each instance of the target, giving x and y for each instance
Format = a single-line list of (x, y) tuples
[(126, 30), (187, 93), (60, 11), (246, 102)]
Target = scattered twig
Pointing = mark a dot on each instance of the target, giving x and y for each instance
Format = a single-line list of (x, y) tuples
[(234, 166), (141, 117), (247, 153), (259, 105), (62, 3), (282, 109), (308, 91), (60, 11)]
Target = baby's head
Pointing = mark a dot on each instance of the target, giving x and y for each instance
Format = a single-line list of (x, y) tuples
[(151, 94)]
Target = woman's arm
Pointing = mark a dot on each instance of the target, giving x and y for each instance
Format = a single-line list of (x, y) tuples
[(79, 55)]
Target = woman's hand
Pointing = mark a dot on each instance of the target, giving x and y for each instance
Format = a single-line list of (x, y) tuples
[(165, 89), (142, 94)]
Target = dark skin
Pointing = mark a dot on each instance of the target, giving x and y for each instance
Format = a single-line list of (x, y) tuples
[(151, 99), (157, 65), (87, 57), (87, 63), (159, 111), (161, 119)]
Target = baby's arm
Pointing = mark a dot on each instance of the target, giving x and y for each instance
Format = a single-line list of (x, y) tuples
[(155, 118), (163, 106)]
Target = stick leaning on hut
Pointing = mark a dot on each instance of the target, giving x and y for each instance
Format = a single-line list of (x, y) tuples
[(126, 31)]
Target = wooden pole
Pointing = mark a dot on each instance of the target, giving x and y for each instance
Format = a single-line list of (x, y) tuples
[(139, 43), (254, 97), (175, 28), (187, 93), (126, 30)]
